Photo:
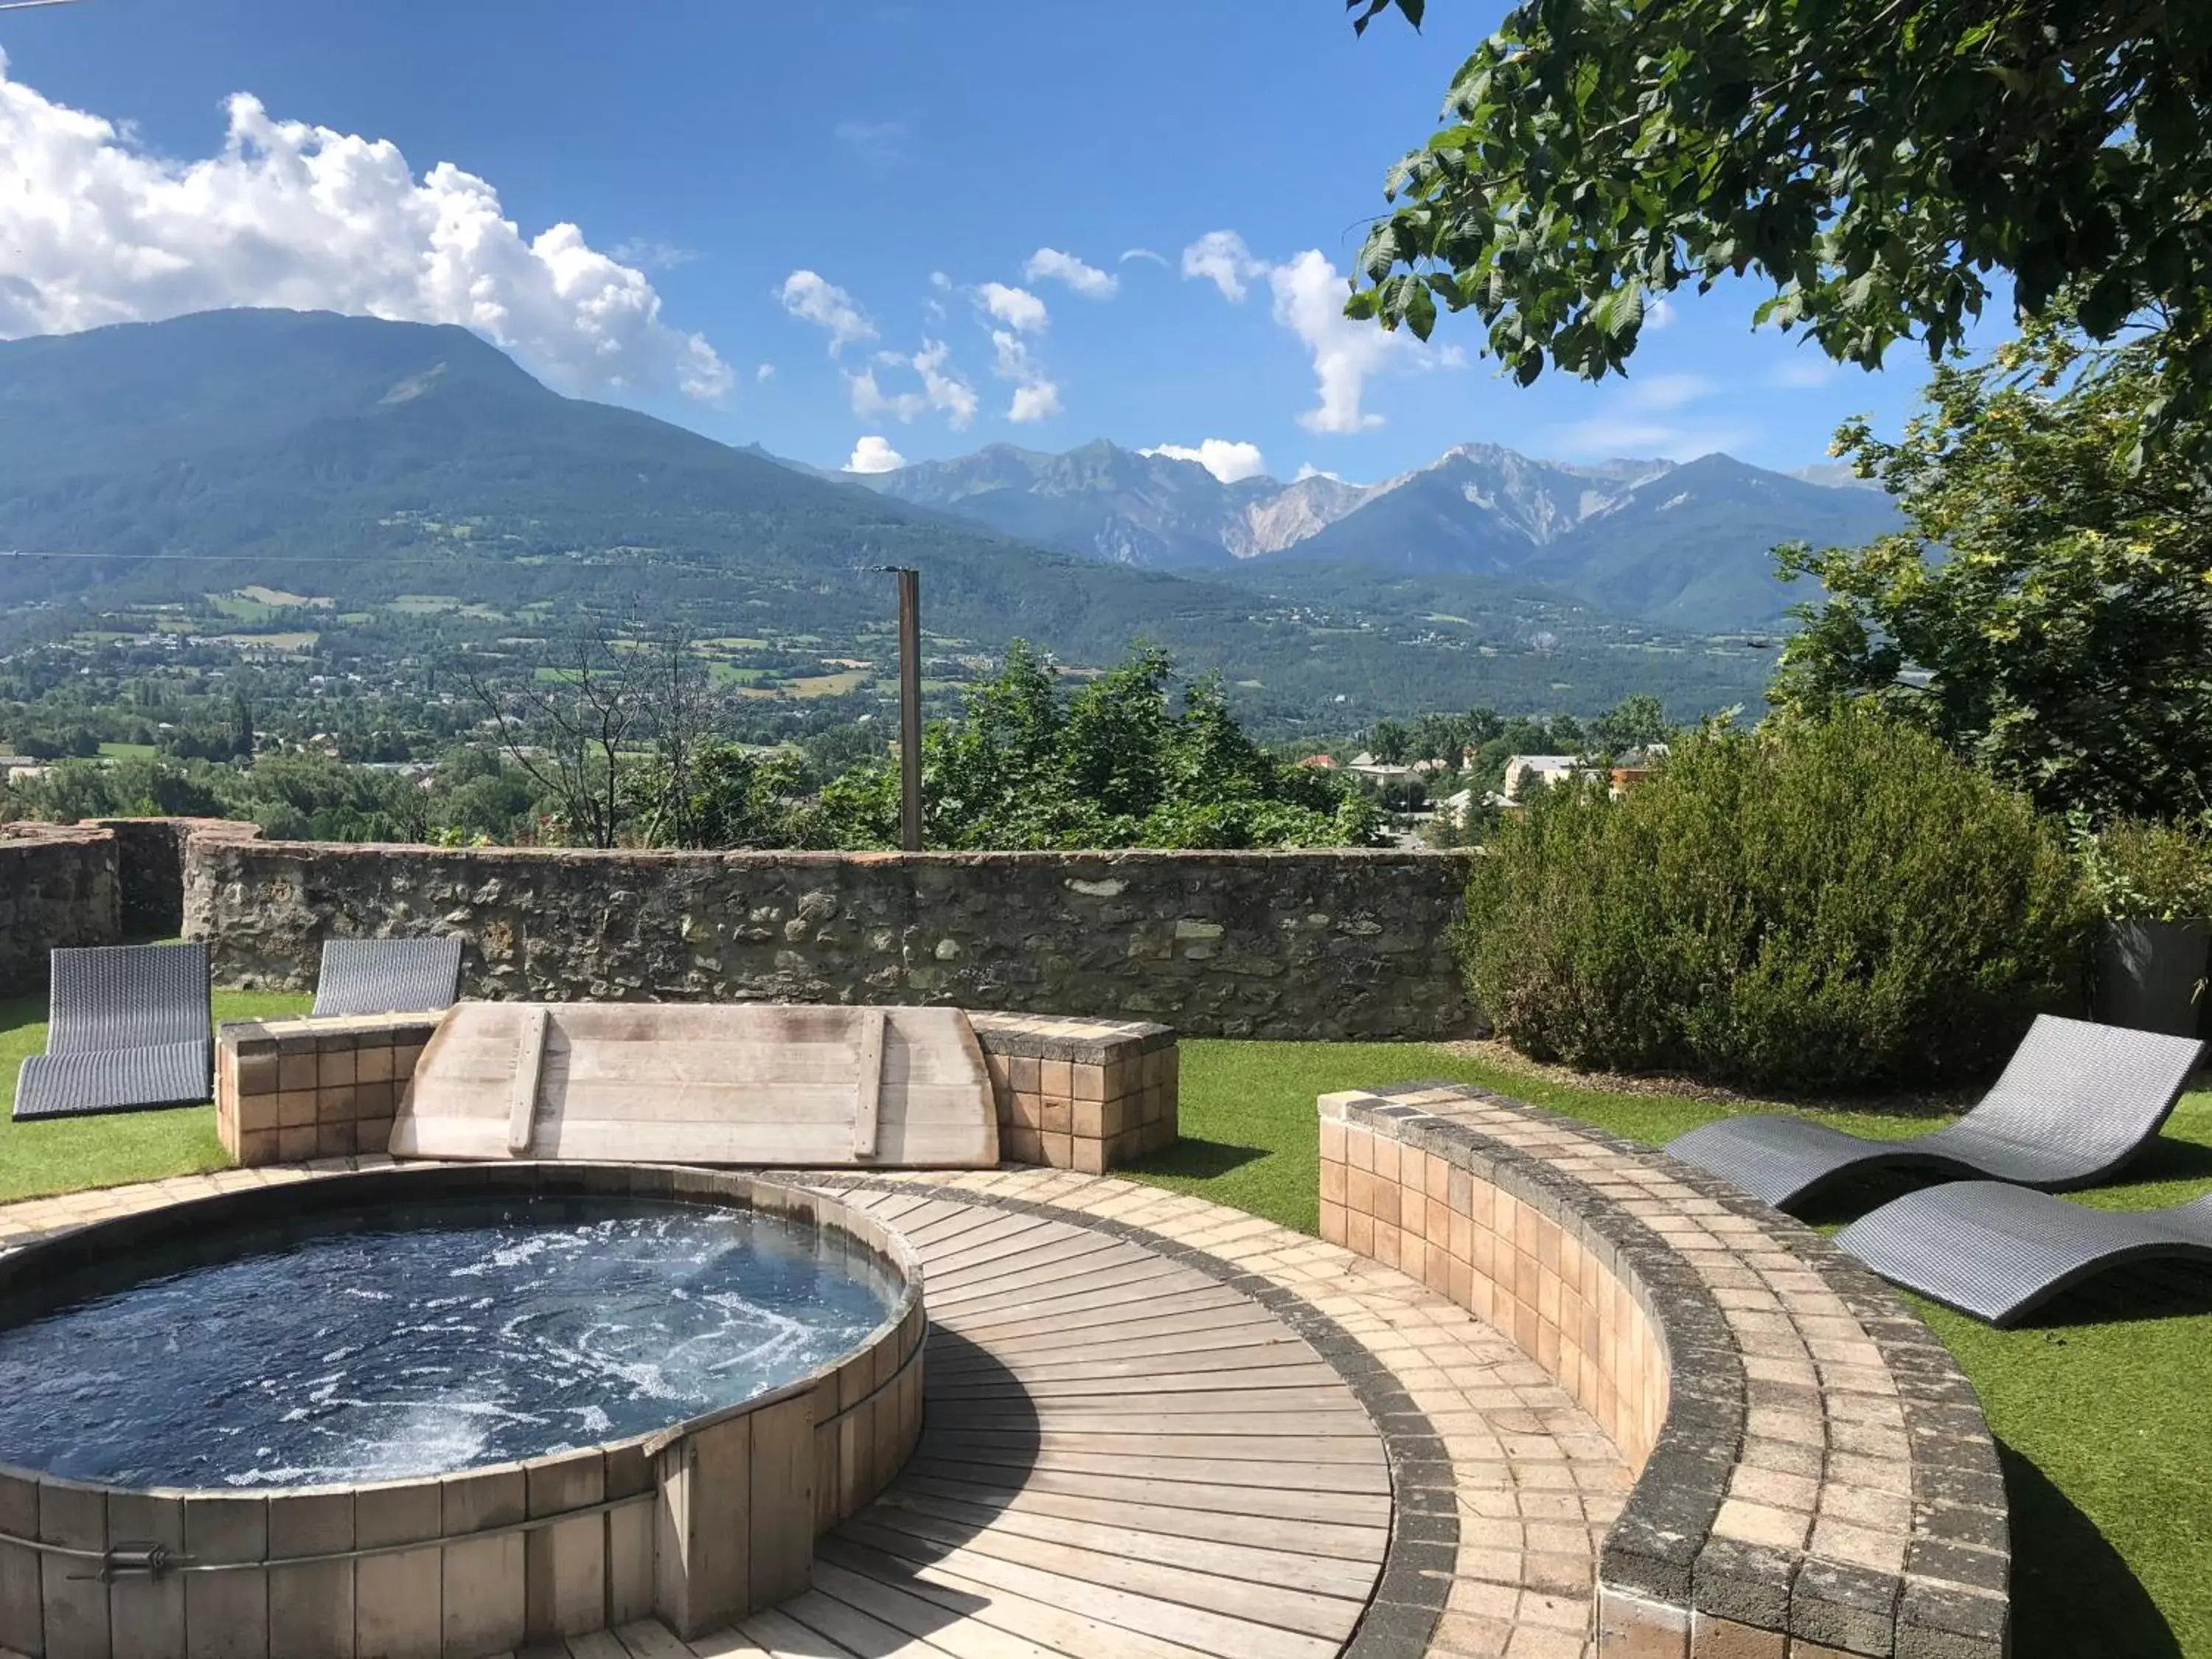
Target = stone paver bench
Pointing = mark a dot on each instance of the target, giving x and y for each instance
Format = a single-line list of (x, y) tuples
[(1814, 1475)]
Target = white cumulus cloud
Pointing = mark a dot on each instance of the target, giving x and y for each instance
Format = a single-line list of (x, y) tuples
[(814, 299), (1226, 461), (1038, 401), (874, 454), (1309, 298), (1309, 295), (870, 399), (94, 229), (1222, 258), (942, 388), (1011, 360), (765, 373), (1036, 396), (1017, 307), (1087, 280)]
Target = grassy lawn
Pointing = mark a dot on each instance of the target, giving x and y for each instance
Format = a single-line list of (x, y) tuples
[(2102, 1408), (76, 1152)]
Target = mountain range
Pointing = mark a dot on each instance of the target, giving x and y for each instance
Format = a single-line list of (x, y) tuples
[(430, 493), (1687, 544)]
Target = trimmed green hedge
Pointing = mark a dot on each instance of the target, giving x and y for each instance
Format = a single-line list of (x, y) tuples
[(1833, 906)]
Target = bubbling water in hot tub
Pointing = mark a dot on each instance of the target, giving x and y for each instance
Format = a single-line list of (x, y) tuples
[(456, 1335)]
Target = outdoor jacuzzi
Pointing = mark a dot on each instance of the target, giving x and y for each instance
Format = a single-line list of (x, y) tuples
[(442, 1410)]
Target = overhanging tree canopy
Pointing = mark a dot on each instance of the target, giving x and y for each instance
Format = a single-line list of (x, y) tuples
[(2062, 641), (1879, 162)]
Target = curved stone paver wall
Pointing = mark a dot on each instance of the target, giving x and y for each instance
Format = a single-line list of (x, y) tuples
[(1814, 1474), (1318, 943)]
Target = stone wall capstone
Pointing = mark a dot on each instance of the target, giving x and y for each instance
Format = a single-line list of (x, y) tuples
[(57, 887), (1325, 943)]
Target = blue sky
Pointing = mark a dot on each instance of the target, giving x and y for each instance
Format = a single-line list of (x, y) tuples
[(711, 156)]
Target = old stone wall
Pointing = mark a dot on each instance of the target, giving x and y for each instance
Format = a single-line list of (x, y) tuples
[(1323, 944), (149, 868), (57, 887)]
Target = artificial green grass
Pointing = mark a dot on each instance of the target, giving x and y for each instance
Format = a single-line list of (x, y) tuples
[(67, 1155), (2103, 1410)]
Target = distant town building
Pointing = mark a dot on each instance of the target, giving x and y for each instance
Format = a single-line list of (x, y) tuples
[(1545, 770), (1632, 768), (1367, 766)]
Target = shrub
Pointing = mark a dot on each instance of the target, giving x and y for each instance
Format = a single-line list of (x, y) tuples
[(2140, 870), (1828, 905)]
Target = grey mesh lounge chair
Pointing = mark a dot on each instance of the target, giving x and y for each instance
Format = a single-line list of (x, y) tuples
[(127, 1026), (2076, 1102), (1999, 1252), (388, 975)]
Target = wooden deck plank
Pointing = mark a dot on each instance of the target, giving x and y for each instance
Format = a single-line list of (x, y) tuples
[(1195, 1329), (1219, 1472), (1105, 1304), (1366, 1543), (1267, 1450), (856, 1631), (1050, 1272), (1251, 1356), (935, 1231), (888, 1205), (1351, 1509), (975, 1253), (1257, 1565), (724, 1644), (649, 1639), (935, 1212), (1277, 1606), (1057, 1629), (1279, 1387), (1175, 1429), (956, 1633), (1048, 1266), (1198, 1627), (782, 1637)]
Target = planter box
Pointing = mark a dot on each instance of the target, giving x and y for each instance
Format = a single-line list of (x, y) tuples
[(2149, 976)]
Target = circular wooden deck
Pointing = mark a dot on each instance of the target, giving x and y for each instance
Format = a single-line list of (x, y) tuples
[(1133, 1451)]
